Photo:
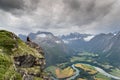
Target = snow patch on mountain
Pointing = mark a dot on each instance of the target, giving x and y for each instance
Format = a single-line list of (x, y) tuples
[(88, 38), (58, 42), (41, 35), (115, 34), (72, 39), (65, 41)]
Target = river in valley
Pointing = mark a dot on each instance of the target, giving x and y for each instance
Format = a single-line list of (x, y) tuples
[(97, 68), (77, 73), (106, 74)]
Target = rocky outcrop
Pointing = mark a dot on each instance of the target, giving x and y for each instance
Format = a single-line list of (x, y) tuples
[(38, 62), (25, 61), (55, 49), (20, 60), (26, 64), (34, 45)]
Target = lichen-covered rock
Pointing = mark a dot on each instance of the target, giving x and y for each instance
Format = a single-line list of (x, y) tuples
[(20, 60)]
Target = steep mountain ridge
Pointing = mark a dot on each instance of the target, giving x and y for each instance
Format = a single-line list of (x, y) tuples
[(75, 41), (106, 45), (112, 50), (19, 60), (55, 49), (99, 42)]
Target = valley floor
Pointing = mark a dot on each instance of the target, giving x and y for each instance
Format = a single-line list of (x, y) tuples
[(86, 72)]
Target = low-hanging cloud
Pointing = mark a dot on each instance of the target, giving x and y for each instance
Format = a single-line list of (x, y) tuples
[(57, 16)]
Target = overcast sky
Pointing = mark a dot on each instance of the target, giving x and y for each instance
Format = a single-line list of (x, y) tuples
[(60, 16)]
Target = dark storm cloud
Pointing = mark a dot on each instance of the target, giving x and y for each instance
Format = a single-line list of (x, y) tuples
[(11, 4), (60, 15), (73, 4), (86, 11), (18, 7)]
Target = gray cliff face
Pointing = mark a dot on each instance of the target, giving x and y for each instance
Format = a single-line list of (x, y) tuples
[(40, 62), (27, 64)]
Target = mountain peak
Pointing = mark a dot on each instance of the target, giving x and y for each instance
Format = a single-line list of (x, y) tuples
[(43, 32)]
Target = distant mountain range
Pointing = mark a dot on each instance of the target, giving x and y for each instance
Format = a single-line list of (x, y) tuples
[(112, 49), (76, 41), (99, 42), (106, 45), (55, 49)]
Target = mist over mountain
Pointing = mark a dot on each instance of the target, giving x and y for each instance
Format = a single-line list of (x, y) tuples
[(76, 40), (106, 45), (55, 49), (60, 40)]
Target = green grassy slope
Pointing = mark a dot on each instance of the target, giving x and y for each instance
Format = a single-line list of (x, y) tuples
[(11, 46)]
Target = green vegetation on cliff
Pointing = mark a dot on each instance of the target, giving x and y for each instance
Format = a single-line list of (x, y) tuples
[(7, 69), (11, 48)]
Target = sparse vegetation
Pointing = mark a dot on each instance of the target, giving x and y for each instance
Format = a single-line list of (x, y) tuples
[(51, 69), (81, 79), (84, 56), (99, 76), (86, 68), (60, 73), (115, 72), (24, 49), (64, 73)]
